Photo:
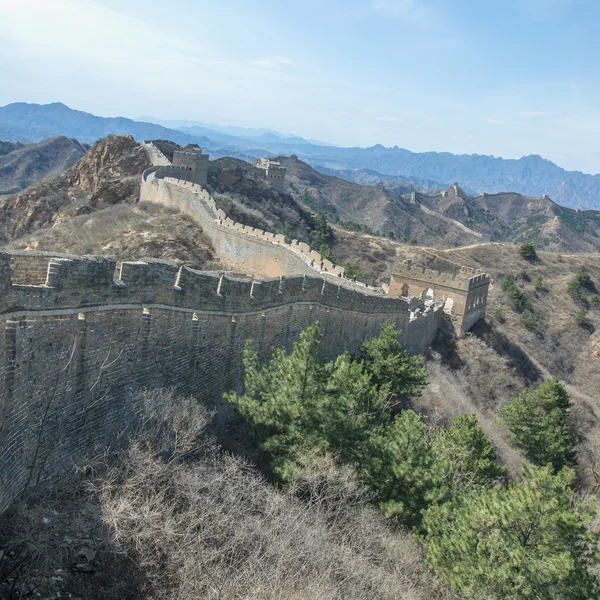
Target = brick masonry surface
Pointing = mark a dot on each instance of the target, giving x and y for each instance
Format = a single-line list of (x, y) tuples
[(80, 335)]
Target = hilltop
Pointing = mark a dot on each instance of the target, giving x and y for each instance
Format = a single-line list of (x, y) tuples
[(92, 208), (529, 175)]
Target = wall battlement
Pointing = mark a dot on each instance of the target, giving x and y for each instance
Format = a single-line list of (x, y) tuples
[(73, 281), (465, 279), (249, 247), (80, 335)]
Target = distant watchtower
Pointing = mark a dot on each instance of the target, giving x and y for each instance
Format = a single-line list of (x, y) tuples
[(194, 161), (274, 172)]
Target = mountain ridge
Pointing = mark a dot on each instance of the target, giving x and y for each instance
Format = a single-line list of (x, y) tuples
[(530, 175)]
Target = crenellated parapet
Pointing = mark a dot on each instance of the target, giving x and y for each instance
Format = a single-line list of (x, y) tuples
[(251, 248), (50, 281), (466, 279)]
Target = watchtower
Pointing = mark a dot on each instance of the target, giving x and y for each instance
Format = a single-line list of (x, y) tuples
[(196, 163), (463, 296), (274, 172)]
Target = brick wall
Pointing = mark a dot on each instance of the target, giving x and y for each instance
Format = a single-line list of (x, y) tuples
[(73, 352)]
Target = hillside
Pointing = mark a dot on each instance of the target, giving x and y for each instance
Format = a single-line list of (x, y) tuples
[(529, 175), (512, 217), (108, 174), (27, 164), (347, 204), (92, 208)]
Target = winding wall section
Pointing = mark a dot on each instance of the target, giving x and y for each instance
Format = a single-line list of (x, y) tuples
[(79, 335)]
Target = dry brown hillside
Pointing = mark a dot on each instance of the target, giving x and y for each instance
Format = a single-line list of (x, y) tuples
[(108, 174), (381, 210), (128, 232), (93, 208)]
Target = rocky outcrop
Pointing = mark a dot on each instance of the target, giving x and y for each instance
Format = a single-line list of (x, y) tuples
[(108, 174)]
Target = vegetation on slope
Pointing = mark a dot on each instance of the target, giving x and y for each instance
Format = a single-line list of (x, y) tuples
[(171, 515), (443, 481)]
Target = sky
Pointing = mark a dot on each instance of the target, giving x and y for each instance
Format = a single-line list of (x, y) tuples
[(502, 77)]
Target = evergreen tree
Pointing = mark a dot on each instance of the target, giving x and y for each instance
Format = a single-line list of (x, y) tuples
[(284, 399), (398, 466), (528, 541), (391, 366), (537, 424), (465, 458), (527, 251)]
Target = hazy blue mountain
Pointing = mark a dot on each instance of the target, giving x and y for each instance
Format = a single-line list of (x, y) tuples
[(530, 175), (35, 122), (370, 177), (212, 129)]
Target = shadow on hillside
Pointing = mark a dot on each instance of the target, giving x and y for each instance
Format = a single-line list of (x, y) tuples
[(517, 358), (57, 544), (445, 344)]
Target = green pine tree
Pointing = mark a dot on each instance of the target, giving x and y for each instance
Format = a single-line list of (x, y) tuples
[(537, 424), (465, 458), (528, 541), (389, 364)]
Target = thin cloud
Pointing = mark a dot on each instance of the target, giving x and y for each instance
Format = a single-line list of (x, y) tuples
[(498, 122), (539, 114), (273, 62), (390, 119), (411, 10)]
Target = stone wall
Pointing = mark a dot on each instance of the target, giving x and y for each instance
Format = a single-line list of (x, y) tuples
[(252, 250), (75, 348)]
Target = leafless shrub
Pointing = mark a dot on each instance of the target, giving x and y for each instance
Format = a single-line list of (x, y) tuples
[(209, 526)]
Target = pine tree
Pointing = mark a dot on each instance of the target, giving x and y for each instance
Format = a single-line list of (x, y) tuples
[(284, 399), (528, 541), (465, 458), (398, 466), (391, 365), (537, 424)]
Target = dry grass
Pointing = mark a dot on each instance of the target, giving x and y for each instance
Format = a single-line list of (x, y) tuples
[(186, 520), (129, 232)]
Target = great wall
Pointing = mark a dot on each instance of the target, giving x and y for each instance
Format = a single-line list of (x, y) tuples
[(80, 335)]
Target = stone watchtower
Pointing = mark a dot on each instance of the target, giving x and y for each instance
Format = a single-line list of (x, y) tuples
[(194, 161), (464, 295), (274, 172)]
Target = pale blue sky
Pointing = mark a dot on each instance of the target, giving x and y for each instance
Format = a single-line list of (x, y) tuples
[(501, 77)]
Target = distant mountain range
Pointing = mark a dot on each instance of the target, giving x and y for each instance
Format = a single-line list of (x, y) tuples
[(530, 175)]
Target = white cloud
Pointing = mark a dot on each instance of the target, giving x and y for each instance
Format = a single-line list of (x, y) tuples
[(469, 136), (390, 119), (273, 62), (539, 114), (414, 11)]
